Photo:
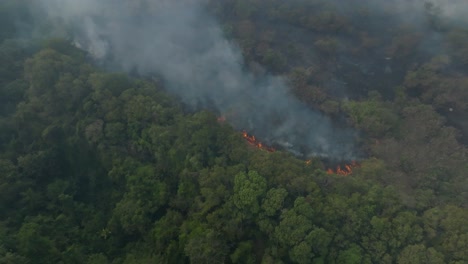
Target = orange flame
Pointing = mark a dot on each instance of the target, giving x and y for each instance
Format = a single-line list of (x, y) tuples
[(254, 142), (345, 171), (221, 119)]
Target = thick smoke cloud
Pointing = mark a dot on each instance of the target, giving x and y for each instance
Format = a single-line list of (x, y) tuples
[(180, 42)]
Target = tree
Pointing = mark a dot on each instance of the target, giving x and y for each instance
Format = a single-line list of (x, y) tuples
[(273, 201), (292, 228), (243, 253), (145, 195), (375, 117), (352, 255), (445, 227), (249, 189), (35, 245), (206, 246), (419, 254)]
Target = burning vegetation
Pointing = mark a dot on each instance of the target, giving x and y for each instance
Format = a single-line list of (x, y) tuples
[(343, 170), (254, 142)]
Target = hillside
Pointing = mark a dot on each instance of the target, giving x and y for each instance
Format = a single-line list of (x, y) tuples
[(117, 159)]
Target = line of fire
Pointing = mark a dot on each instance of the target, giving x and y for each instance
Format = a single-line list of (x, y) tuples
[(343, 170), (254, 142)]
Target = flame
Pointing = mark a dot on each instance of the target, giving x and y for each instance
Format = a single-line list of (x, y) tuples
[(345, 171), (221, 119), (254, 142)]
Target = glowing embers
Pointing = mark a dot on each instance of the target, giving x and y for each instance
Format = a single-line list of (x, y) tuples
[(344, 170), (254, 142)]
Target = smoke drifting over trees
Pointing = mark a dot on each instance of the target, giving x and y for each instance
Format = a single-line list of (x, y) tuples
[(105, 167), (186, 46), (179, 41)]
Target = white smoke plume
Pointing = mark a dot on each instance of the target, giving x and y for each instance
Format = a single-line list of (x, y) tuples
[(180, 42)]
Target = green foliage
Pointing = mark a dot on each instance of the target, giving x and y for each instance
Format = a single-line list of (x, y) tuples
[(420, 254), (34, 244), (352, 255), (100, 167), (206, 246), (374, 117), (243, 253), (273, 201), (249, 189)]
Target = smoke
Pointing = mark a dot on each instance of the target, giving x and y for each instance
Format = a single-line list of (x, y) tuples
[(455, 10), (180, 42)]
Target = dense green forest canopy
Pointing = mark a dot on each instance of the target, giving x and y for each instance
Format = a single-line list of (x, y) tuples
[(107, 167)]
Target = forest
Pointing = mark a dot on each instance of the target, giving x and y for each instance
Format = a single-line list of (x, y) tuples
[(101, 163)]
